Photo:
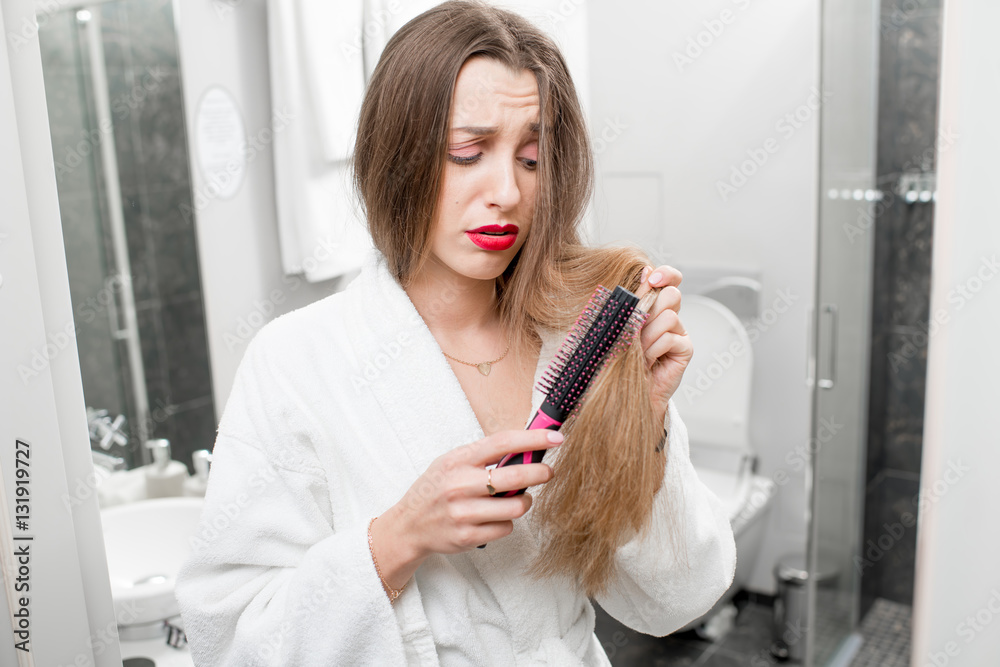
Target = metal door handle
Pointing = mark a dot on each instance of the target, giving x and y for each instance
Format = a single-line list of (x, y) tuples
[(829, 382), (118, 332)]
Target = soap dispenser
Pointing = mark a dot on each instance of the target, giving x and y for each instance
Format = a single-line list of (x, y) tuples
[(197, 483), (164, 478)]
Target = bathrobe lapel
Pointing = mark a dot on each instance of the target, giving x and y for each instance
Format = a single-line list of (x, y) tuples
[(419, 397), (422, 402), (400, 363)]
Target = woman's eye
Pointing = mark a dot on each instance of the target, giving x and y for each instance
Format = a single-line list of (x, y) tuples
[(531, 155), (529, 163), (460, 159)]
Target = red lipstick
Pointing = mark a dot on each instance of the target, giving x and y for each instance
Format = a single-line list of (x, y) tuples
[(493, 237)]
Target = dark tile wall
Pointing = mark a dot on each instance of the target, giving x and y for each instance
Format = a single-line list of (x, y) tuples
[(907, 124), (150, 142)]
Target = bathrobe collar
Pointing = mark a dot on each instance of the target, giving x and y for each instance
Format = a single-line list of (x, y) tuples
[(406, 371), (423, 403)]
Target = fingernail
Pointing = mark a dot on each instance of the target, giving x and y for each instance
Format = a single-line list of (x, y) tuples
[(645, 272), (555, 436), (655, 278)]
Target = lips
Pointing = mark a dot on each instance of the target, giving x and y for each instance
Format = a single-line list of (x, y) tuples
[(493, 237)]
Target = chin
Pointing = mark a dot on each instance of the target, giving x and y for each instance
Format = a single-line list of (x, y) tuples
[(484, 266), (487, 272)]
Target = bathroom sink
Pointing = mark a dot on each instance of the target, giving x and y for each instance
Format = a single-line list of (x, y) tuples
[(146, 541)]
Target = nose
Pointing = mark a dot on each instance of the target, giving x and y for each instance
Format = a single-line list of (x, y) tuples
[(504, 189)]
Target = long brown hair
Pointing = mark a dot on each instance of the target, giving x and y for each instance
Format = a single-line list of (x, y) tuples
[(609, 470)]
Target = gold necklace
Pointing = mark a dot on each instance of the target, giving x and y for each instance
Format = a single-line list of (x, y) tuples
[(483, 366)]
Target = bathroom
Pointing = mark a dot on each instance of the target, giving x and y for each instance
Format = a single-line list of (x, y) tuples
[(798, 162)]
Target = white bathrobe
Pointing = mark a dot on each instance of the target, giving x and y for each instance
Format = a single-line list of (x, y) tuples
[(335, 411)]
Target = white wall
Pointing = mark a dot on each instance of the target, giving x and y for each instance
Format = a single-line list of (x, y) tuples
[(957, 596), (680, 93)]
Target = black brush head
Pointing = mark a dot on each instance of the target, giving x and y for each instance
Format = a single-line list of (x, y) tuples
[(594, 339)]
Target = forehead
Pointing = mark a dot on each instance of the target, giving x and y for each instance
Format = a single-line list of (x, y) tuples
[(486, 92)]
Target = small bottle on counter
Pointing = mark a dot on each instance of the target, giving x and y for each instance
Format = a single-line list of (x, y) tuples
[(197, 483), (164, 478)]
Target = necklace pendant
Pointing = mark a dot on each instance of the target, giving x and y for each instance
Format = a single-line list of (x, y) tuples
[(484, 367)]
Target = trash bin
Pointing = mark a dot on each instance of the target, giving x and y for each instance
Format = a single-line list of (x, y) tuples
[(791, 605)]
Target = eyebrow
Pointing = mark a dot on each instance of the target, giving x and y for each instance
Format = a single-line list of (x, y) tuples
[(489, 131)]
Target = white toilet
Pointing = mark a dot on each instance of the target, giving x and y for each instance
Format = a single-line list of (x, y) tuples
[(714, 402)]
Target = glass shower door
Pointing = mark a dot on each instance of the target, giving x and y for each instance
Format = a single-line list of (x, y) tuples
[(848, 198), (97, 246)]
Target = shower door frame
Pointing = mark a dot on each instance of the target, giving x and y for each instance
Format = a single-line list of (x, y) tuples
[(840, 334)]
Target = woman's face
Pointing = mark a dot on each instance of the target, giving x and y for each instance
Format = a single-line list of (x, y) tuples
[(487, 195)]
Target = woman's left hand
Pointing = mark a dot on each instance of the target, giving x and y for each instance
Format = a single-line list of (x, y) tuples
[(665, 342)]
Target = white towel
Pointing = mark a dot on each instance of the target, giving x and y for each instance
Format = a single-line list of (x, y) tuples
[(330, 55), (318, 79)]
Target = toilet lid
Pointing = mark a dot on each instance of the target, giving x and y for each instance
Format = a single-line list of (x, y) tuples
[(714, 395)]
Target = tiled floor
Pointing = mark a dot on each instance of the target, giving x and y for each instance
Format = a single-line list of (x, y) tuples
[(886, 630), (747, 643), (833, 622)]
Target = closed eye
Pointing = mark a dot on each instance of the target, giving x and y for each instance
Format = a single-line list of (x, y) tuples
[(458, 159), (528, 163)]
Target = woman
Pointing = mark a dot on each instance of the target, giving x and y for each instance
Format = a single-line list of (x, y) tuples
[(350, 488)]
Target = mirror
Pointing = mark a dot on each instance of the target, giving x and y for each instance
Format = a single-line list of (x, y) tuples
[(116, 113)]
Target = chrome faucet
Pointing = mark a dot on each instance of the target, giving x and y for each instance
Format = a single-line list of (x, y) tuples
[(105, 432)]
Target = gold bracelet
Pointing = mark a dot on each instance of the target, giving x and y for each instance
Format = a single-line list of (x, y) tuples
[(393, 593)]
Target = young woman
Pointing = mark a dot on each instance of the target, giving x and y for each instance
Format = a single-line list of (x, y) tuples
[(351, 483)]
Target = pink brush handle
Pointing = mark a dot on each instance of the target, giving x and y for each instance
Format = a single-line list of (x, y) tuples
[(540, 420)]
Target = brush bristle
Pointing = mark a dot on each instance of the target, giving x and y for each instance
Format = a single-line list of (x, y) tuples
[(627, 336), (607, 324), (572, 341)]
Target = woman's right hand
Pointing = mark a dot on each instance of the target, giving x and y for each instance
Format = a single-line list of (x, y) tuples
[(448, 509)]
